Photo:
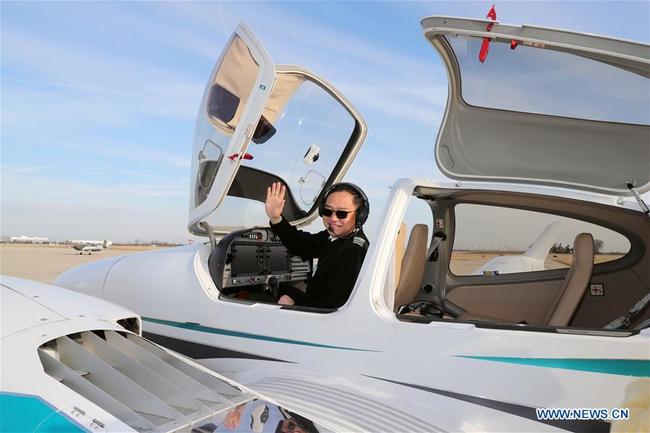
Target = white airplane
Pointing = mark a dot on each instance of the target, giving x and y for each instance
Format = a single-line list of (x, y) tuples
[(105, 243), (73, 363), (532, 260), (87, 248), (547, 123), (84, 246)]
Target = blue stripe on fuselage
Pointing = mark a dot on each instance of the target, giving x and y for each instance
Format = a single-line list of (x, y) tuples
[(622, 367), (200, 328)]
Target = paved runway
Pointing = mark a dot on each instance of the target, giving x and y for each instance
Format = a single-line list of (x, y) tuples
[(45, 262)]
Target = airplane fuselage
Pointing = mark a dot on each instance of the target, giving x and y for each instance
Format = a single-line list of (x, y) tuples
[(383, 368)]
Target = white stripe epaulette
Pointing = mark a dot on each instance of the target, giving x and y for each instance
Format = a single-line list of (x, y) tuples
[(359, 241)]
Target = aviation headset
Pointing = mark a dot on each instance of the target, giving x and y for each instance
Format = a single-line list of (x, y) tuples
[(364, 208)]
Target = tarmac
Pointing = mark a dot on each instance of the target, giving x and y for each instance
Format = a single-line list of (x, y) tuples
[(45, 262)]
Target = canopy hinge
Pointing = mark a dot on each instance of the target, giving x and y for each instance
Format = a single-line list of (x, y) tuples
[(208, 229), (631, 185)]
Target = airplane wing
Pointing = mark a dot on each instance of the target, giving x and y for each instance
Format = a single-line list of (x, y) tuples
[(72, 372), (358, 403)]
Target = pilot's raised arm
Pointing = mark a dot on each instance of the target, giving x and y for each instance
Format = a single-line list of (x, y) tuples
[(340, 248)]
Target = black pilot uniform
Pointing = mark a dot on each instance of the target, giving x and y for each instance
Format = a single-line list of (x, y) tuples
[(339, 263)]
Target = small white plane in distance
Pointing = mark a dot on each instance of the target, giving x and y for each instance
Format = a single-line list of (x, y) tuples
[(87, 248), (73, 363), (90, 246), (429, 350)]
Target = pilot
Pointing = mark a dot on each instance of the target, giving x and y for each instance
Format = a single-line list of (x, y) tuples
[(340, 248)]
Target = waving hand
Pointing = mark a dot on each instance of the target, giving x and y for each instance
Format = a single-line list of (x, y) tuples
[(275, 201)]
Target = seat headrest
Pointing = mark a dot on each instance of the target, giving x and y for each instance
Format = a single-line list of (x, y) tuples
[(413, 264), (583, 248)]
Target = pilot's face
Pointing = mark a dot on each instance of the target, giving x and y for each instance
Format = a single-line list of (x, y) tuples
[(341, 202)]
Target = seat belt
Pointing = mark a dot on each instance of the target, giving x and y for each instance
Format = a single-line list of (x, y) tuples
[(625, 320), (438, 237)]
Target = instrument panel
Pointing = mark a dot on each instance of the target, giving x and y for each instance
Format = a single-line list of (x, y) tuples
[(252, 257)]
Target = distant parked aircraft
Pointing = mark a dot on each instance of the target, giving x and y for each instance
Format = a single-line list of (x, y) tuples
[(87, 248), (90, 246), (105, 243)]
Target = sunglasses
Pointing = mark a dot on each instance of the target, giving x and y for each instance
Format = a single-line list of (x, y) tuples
[(340, 214)]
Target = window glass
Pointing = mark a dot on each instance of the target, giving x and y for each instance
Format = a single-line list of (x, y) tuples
[(312, 130), (537, 80), (496, 240), (233, 84), (418, 212)]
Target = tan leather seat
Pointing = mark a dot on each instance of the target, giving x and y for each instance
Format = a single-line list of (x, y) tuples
[(566, 302), (412, 269)]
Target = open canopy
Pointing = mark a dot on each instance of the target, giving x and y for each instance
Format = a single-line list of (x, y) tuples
[(543, 106), (305, 135)]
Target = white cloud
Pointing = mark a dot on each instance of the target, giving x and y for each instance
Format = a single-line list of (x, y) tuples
[(56, 105), (134, 151), (63, 81), (23, 188), (110, 153), (409, 87), (212, 18), (9, 170), (403, 102), (61, 62)]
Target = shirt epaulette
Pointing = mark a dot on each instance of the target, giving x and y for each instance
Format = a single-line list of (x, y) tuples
[(359, 241)]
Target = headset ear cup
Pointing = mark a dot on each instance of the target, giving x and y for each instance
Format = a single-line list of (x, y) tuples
[(362, 214)]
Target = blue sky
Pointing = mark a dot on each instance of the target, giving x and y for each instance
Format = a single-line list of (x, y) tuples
[(99, 98)]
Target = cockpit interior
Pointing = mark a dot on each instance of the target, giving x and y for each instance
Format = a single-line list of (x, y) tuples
[(254, 265)]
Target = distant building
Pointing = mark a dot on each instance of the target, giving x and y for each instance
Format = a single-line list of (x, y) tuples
[(22, 239)]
